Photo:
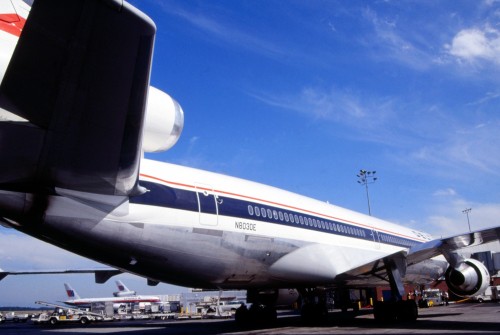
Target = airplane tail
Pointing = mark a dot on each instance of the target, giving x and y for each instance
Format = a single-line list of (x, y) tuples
[(121, 286), (13, 16), (123, 290), (70, 292)]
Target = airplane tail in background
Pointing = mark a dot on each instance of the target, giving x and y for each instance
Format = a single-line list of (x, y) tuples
[(71, 292), (123, 290), (13, 16)]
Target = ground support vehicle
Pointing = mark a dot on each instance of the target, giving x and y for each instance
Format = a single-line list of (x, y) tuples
[(13, 317), (62, 314), (492, 293), (431, 297)]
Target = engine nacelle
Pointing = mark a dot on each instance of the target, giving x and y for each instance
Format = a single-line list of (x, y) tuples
[(163, 122), (469, 278)]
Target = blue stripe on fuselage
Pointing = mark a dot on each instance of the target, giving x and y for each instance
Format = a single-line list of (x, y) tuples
[(170, 197)]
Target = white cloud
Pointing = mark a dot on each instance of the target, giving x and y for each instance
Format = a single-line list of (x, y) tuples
[(356, 110), (475, 44), (448, 218), (220, 30), (445, 192), (396, 42)]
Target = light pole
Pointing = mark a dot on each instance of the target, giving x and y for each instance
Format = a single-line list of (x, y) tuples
[(466, 212), (365, 178)]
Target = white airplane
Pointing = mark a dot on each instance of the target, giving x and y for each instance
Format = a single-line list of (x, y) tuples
[(123, 290), (79, 114), (76, 300)]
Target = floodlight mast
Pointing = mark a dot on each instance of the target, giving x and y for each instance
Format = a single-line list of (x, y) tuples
[(466, 212), (365, 178)]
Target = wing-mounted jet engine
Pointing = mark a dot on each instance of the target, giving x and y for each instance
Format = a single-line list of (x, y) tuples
[(468, 278)]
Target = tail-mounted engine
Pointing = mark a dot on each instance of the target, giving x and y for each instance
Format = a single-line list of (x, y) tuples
[(163, 123), (468, 278)]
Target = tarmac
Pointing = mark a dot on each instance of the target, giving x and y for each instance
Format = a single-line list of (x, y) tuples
[(470, 318)]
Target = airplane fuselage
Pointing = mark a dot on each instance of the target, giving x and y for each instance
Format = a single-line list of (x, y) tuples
[(87, 302), (202, 229)]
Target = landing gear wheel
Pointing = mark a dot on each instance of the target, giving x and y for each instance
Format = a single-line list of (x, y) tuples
[(259, 314), (384, 311), (407, 310), (314, 313)]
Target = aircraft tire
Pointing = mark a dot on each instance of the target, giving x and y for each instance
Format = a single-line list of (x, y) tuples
[(407, 310), (384, 312)]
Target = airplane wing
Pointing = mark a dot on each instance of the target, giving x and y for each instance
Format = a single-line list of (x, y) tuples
[(84, 96), (451, 244), (101, 275), (375, 272)]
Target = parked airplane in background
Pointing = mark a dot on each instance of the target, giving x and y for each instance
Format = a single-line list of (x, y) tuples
[(77, 104), (123, 290), (76, 300)]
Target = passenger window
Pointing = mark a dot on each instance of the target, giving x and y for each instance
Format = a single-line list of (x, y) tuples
[(257, 211), (250, 209), (263, 212)]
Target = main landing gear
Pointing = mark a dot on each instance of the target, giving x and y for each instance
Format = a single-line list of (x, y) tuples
[(262, 310), (314, 305), (396, 309)]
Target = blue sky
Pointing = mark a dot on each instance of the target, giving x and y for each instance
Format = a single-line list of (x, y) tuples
[(301, 95)]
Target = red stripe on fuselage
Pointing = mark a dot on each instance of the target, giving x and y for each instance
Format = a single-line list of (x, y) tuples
[(287, 206), (12, 24)]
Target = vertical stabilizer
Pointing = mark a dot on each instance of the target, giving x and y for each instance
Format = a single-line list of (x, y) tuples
[(70, 292)]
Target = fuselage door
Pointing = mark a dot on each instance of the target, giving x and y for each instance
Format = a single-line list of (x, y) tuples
[(207, 205)]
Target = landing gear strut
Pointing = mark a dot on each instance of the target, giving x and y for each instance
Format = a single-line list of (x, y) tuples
[(314, 307), (397, 309)]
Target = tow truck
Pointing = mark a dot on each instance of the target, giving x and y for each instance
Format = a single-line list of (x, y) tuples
[(63, 314)]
